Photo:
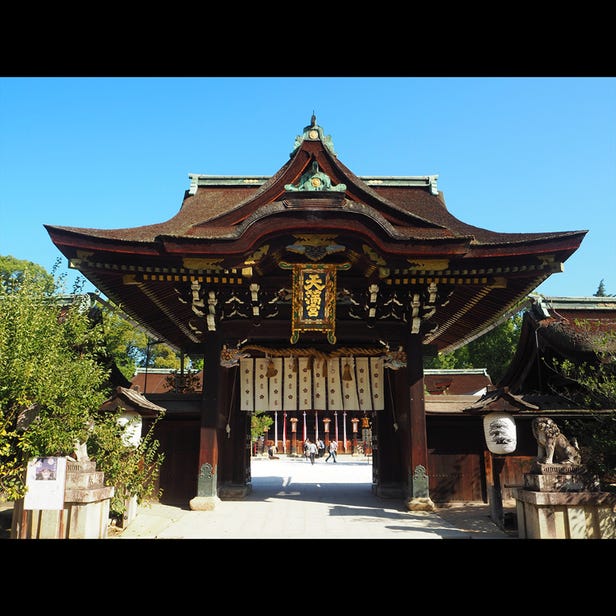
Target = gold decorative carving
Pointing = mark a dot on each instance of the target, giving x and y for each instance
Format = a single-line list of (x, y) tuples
[(196, 263), (429, 264), (315, 239), (84, 254), (315, 247), (546, 259), (257, 255), (130, 279), (499, 282), (373, 256)]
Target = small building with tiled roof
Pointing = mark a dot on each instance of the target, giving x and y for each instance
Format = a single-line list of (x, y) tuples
[(161, 380), (554, 329), (457, 381)]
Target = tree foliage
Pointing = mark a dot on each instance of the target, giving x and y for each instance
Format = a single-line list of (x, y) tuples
[(129, 345), (600, 292), (133, 471), (493, 351), (163, 356), (13, 271), (52, 385), (48, 374), (259, 423), (124, 342), (594, 388)]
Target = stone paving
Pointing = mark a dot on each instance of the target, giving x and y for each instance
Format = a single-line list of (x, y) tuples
[(292, 499)]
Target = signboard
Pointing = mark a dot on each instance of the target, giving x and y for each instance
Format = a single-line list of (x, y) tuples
[(314, 300), (45, 480)]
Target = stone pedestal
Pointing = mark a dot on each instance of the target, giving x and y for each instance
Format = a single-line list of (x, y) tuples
[(204, 503), (85, 514), (560, 501), (559, 478)]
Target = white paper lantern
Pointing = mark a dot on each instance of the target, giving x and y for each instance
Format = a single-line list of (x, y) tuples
[(132, 423), (500, 432)]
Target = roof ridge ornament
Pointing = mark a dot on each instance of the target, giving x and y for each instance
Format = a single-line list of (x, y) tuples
[(315, 179), (313, 132)]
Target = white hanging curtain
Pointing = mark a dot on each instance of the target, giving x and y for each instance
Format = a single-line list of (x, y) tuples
[(319, 381), (289, 401), (364, 391), (334, 388), (275, 384), (261, 402), (247, 379), (304, 384)]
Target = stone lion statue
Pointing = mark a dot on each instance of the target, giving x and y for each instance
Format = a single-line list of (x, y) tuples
[(553, 447)]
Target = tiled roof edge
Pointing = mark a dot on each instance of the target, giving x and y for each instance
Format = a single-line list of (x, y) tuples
[(422, 181)]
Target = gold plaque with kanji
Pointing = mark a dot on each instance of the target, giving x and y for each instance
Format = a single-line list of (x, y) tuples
[(314, 300)]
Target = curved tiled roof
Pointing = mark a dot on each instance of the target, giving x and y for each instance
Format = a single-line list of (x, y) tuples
[(395, 231), (415, 211)]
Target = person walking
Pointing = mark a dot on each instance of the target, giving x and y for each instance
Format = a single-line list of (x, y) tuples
[(321, 448), (333, 447), (272, 451), (312, 451)]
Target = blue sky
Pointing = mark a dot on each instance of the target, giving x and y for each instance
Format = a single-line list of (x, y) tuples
[(513, 154)]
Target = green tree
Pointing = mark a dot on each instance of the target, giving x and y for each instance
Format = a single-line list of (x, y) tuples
[(129, 345), (50, 381), (125, 342), (52, 385), (601, 290), (163, 356), (12, 272), (259, 423), (493, 351), (132, 470), (593, 386)]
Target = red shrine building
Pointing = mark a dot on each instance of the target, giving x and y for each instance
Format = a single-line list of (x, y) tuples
[(313, 293)]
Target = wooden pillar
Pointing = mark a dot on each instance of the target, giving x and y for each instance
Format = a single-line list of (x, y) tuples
[(207, 489), (418, 460), (494, 468), (284, 432)]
